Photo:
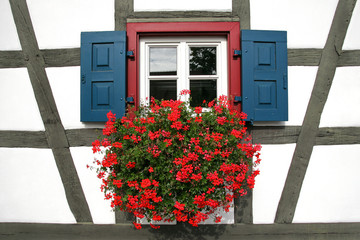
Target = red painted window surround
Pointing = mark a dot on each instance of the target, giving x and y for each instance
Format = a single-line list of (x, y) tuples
[(229, 29)]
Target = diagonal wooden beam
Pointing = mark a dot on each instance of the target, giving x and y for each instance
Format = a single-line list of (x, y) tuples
[(54, 130), (310, 128)]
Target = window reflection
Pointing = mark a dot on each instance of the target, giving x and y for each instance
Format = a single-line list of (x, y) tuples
[(202, 61), (162, 61), (202, 90), (164, 89)]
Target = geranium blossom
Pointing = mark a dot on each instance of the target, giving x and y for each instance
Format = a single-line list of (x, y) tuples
[(170, 161)]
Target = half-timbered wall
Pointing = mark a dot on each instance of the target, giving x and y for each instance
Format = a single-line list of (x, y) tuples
[(309, 173)]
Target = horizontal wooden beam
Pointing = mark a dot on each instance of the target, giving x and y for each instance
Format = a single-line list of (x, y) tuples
[(66, 57), (184, 19), (349, 58), (338, 136), (82, 137), (26, 139), (275, 135), (181, 14), (304, 56), (12, 59), (36, 231), (263, 135)]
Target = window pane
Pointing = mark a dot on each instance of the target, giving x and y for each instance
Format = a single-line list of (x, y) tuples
[(162, 61), (164, 89), (202, 90), (203, 61)]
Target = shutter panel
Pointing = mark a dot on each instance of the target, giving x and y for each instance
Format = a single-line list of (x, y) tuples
[(103, 75), (264, 75)]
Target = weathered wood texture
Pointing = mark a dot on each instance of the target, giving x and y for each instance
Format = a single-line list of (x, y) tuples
[(310, 127), (304, 56), (338, 136), (198, 19), (29, 231), (71, 56), (263, 135), (27, 139), (349, 58), (54, 130), (243, 209), (275, 135), (61, 57), (241, 9), (181, 14), (83, 136), (12, 59), (123, 10)]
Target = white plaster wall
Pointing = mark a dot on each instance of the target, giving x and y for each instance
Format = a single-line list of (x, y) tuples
[(65, 85), (269, 184), (58, 23), (18, 107), (330, 192), (352, 39), (31, 188), (184, 5), (307, 22), (300, 84), (100, 209), (342, 106), (8, 35)]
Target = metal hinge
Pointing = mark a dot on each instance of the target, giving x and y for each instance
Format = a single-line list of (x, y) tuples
[(130, 54), (237, 53), (237, 99), (129, 100)]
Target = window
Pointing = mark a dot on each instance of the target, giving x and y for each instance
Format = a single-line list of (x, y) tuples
[(252, 72), (171, 64)]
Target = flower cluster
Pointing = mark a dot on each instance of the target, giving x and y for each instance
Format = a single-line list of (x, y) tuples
[(169, 161)]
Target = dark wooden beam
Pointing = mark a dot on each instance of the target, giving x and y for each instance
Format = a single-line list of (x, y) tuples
[(123, 10), (12, 59), (181, 14), (71, 56), (241, 9), (35, 231), (83, 136), (61, 57), (349, 58), (304, 56), (28, 139), (338, 136), (275, 135), (54, 130), (263, 135), (310, 128)]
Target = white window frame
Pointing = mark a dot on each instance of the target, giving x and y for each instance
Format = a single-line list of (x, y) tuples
[(183, 77)]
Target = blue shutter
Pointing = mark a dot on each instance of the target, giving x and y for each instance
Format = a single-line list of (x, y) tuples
[(264, 75), (103, 75)]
